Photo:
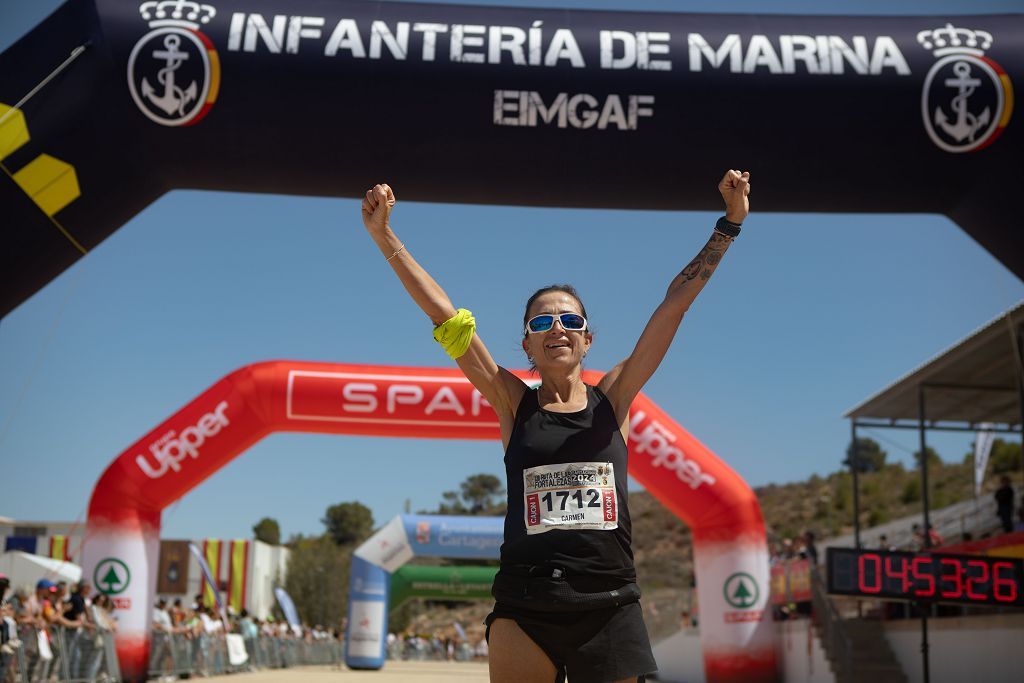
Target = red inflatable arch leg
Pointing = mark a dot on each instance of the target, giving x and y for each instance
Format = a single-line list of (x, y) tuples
[(120, 553)]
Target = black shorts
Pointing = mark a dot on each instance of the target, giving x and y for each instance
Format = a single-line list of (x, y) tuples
[(590, 646)]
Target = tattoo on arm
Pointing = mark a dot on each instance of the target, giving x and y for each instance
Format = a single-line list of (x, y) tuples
[(704, 263)]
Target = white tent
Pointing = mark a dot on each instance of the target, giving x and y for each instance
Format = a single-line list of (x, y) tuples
[(25, 569)]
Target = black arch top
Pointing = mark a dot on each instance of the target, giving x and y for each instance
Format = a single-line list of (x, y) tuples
[(503, 106)]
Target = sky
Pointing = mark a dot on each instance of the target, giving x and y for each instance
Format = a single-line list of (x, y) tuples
[(808, 315)]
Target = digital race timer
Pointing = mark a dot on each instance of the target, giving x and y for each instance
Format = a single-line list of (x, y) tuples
[(926, 577)]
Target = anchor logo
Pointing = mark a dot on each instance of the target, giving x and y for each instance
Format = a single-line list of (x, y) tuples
[(182, 59), (967, 97), (174, 99), (967, 124)]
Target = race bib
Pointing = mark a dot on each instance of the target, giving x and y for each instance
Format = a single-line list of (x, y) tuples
[(573, 495)]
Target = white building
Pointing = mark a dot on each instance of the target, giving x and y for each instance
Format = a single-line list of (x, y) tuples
[(246, 570)]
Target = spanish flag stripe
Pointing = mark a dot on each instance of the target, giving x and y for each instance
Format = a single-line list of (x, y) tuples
[(238, 571), (59, 547), (211, 551), (1008, 100)]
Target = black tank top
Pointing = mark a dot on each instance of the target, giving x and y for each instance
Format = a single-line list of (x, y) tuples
[(542, 437)]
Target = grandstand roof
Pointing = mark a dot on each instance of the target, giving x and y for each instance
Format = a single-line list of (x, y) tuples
[(975, 380)]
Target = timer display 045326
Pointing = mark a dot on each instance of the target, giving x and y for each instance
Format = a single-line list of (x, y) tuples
[(926, 577)]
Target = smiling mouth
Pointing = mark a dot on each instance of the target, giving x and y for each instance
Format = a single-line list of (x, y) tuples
[(558, 345)]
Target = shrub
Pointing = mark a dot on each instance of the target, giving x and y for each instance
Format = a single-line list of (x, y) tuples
[(911, 491)]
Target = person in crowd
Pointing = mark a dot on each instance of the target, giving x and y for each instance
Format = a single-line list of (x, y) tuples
[(160, 646), (30, 618), (934, 539), (810, 551), (1004, 503), (918, 537), (1020, 520), (8, 631), (249, 631), (177, 614), (884, 544), (101, 611), (78, 624)]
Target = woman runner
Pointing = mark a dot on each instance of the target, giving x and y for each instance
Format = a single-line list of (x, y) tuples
[(566, 599)]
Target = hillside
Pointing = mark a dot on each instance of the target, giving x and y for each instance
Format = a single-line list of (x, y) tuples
[(661, 542)]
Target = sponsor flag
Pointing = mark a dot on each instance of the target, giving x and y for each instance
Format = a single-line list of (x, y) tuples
[(389, 548), (59, 548), (288, 607), (237, 654), (174, 568), (211, 572), (237, 573), (982, 449), (208, 577)]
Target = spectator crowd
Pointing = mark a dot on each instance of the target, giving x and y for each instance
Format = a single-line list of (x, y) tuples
[(57, 632)]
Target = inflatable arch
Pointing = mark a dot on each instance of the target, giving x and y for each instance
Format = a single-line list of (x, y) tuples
[(553, 108), (123, 526), (378, 561)]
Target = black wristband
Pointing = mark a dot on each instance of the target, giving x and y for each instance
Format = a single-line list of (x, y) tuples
[(727, 227)]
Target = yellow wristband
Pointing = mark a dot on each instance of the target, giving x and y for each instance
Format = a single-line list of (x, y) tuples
[(456, 333)]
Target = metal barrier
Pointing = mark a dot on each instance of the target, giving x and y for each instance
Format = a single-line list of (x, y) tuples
[(175, 654), (83, 655), (87, 655), (834, 639)]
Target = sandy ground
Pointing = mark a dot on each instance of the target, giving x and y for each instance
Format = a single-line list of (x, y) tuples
[(393, 672)]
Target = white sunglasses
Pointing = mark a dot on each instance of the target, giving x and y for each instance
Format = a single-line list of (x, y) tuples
[(570, 322)]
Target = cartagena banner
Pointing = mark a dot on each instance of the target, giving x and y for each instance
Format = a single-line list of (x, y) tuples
[(454, 536), (553, 108)]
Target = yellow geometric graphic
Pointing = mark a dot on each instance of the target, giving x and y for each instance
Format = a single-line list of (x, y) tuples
[(13, 131), (50, 182)]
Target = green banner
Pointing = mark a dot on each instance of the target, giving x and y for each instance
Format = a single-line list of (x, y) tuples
[(441, 583)]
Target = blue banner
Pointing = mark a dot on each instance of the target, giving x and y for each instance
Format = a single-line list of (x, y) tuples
[(208, 575), (456, 537), (288, 607)]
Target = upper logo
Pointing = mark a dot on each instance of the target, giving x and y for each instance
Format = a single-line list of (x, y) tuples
[(967, 98), (174, 71)]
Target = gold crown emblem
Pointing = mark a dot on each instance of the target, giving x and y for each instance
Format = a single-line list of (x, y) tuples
[(176, 13), (948, 39)]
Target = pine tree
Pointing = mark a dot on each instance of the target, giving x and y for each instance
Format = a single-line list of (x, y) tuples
[(742, 596), (111, 579)]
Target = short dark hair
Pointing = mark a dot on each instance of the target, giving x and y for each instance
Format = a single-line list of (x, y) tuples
[(565, 288)]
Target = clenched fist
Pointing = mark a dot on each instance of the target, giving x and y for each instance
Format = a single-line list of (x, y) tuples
[(735, 188), (377, 206)]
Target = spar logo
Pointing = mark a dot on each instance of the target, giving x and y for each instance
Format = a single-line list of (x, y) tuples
[(386, 399), (659, 443), (967, 98), (174, 70), (741, 591), (111, 576), (169, 450)]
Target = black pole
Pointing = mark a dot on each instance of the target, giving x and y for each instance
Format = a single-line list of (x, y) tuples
[(924, 639), (927, 536), (855, 465), (1020, 389)]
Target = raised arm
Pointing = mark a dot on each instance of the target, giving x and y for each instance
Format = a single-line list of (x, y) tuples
[(501, 388), (625, 380)]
